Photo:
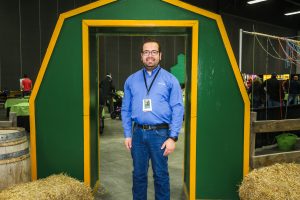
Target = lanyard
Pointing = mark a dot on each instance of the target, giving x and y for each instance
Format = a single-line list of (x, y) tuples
[(148, 89)]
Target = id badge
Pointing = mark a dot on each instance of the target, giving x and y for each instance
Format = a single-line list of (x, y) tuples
[(147, 105)]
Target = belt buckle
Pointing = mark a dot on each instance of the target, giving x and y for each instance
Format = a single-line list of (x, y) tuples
[(146, 127)]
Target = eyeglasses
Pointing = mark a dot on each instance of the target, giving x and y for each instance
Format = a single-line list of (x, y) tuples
[(147, 53)]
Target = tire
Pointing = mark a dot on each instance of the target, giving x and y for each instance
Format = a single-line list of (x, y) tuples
[(113, 115)]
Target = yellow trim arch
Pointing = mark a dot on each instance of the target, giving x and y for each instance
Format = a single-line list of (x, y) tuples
[(86, 88), (146, 23)]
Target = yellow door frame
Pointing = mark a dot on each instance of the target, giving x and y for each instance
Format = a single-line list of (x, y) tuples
[(193, 24)]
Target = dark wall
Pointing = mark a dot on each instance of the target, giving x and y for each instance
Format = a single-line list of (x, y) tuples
[(271, 12), (26, 29), (120, 55), (27, 26), (255, 60)]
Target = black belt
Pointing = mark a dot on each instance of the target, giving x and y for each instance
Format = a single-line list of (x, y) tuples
[(153, 127)]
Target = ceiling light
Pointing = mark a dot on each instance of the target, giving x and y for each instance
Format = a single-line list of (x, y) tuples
[(255, 1), (292, 13)]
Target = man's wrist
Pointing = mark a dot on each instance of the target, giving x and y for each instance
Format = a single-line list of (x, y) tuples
[(174, 138)]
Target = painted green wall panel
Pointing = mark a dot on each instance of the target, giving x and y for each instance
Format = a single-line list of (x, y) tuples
[(220, 134), (59, 109)]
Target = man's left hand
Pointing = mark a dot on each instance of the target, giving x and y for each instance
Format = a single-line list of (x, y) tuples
[(169, 146)]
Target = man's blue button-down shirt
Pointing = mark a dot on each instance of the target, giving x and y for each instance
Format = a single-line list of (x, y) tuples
[(166, 99)]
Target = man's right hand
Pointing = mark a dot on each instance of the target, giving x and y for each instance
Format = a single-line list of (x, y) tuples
[(128, 143)]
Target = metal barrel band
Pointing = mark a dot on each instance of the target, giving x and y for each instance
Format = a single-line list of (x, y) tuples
[(10, 136), (14, 142), (14, 154)]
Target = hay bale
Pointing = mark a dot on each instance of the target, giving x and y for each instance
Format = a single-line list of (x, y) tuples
[(54, 187), (279, 181)]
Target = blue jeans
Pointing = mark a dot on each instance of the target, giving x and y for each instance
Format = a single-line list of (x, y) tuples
[(146, 144), (273, 103), (293, 99)]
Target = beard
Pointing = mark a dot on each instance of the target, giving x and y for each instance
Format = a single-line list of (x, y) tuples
[(150, 64)]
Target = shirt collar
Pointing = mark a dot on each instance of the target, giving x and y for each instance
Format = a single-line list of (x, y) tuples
[(153, 71)]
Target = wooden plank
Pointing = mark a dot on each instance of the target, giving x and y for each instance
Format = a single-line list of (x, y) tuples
[(276, 125), (269, 159), (272, 126)]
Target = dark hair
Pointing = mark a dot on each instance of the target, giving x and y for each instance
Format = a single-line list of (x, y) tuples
[(148, 40), (25, 76)]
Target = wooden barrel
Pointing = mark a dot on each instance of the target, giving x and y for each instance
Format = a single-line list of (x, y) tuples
[(14, 157)]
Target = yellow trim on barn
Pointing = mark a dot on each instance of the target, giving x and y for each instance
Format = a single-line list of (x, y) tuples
[(141, 23), (41, 74), (243, 91), (34, 93), (193, 119), (236, 72), (87, 7), (86, 102)]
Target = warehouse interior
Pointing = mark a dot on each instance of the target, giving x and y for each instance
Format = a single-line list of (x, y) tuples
[(264, 41), (29, 26)]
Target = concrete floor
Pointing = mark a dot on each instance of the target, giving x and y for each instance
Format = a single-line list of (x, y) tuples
[(116, 166)]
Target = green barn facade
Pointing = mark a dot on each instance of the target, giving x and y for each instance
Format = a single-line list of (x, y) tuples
[(64, 101)]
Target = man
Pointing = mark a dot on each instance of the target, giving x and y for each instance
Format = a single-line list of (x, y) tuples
[(101, 107), (274, 91), (108, 88), (256, 93), (294, 91), (153, 102), (26, 85)]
